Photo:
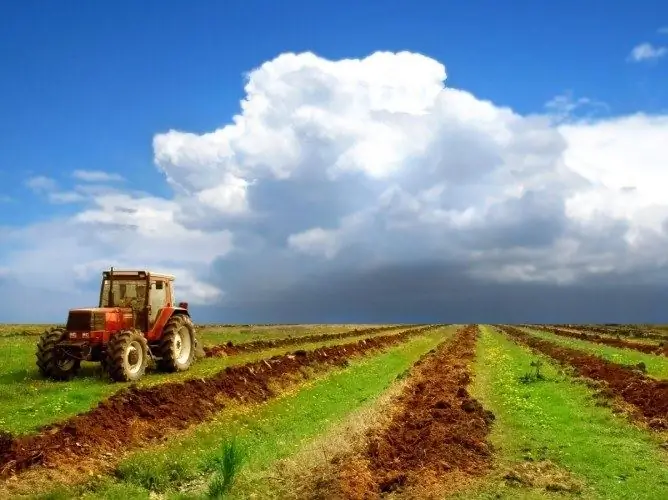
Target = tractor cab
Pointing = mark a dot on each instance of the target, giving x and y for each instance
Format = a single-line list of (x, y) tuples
[(143, 293)]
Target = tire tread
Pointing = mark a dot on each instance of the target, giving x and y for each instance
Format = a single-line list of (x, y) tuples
[(115, 362), (165, 351)]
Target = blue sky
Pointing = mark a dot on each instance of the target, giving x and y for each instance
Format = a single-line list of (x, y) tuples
[(87, 85)]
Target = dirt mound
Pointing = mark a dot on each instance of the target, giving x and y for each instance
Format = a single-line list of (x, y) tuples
[(231, 349), (438, 431), (137, 415), (649, 395), (614, 342)]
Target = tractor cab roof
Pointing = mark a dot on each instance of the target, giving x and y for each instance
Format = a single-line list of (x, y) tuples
[(137, 274)]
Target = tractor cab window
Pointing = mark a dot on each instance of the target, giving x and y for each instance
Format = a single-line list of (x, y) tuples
[(158, 299), (125, 293)]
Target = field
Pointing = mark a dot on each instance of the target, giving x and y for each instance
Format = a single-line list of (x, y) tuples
[(350, 412)]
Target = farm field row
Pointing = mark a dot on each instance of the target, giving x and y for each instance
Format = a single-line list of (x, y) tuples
[(647, 395), (514, 415), (554, 436), (27, 401), (654, 365), (95, 436), (642, 344), (637, 332)]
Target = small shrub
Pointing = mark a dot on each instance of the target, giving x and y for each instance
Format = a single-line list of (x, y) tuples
[(226, 464), (534, 376)]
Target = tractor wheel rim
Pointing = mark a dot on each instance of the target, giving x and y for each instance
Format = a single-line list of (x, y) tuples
[(182, 346), (65, 364), (134, 357)]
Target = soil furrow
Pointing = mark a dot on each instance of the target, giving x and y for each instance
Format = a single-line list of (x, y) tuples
[(231, 349), (648, 395), (437, 434), (624, 330), (613, 342), (136, 415)]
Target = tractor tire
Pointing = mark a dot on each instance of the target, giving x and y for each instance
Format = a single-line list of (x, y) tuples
[(176, 350), (49, 360), (127, 356)]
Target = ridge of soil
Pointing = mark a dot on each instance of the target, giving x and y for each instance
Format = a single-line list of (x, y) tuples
[(231, 349), (437, 438), (623, 330), (135, 416), (648, 395), (614, 342)]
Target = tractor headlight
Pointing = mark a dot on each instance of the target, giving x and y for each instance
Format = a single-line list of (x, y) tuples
[(73, 335), (84, 335)]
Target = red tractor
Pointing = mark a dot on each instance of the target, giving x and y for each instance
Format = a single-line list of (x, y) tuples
[(136, 324)]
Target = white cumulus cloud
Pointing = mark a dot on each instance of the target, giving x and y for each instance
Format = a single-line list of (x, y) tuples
[(96, 176), (647, 52), (41, 183), (331, 167)]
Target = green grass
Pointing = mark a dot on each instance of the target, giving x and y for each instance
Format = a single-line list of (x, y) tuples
[(657, 366), (266, 433), (16, 330), (219, 335), (557, 419), (27, 401)]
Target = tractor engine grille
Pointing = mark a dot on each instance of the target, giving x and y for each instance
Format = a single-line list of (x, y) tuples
[(85, 321)]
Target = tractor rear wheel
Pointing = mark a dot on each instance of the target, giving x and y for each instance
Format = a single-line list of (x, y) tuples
[(178, 343), (51, 361), (127, 356)]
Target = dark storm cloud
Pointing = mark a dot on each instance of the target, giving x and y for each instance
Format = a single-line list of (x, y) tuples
[(37, 304), (437, 292)]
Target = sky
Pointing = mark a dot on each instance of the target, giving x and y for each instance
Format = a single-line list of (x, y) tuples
[(300, 161)]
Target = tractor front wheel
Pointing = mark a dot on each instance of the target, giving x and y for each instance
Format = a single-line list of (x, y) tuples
[(51, 361), (178, 343), (127, 356)]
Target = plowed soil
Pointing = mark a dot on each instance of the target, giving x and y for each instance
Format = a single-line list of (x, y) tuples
[(138, 415), (231, 349), (648, 395), (614, 342), (437, 434), (621, 330)]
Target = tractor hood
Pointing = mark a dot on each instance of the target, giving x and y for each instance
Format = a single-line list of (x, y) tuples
[(100, 309), (100, 318)]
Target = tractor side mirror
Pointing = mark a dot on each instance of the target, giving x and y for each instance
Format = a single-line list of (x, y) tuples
[(183, 305)]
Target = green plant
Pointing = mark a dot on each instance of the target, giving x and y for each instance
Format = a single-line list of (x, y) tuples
[(535, 376), (53, 495), (226, 465), (156, 476)]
